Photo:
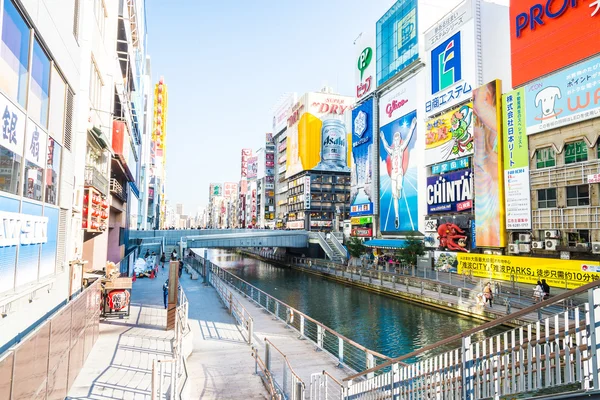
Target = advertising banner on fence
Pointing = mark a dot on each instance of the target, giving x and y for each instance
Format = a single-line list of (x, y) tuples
[(318, 134), (450, 55), (557, 273), (516, 161), (450, 135), (488, 167), (397, 39), (451, 192), (561, 33), (364, 69), (566, 97), (398, 190), (363, 156)]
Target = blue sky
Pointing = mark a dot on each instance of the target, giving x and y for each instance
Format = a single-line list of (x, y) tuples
[(226, 63)]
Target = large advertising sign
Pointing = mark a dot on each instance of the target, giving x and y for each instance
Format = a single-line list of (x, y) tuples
[(451, 60), (557, 273), (566, 97), (398, 190), (230, 189), (252, 167), (246, 153), (450, 135), (13, 126), (559, 32), (216, 189), (450, 166), (365, 64), (516, 161), (451, 192), (363, 157), (487, 166), (318, 134), (397, 39), (281, 112)]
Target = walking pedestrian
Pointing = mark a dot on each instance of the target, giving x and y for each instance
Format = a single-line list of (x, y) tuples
[(546, 289), (166, 293), (180, 267), (163, 259), (487, 293), (538, 292), (147, 254)]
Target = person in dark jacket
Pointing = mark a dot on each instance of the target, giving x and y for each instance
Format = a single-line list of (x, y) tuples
[(163, 258), (180, 267), (546, 288), (166, 293)]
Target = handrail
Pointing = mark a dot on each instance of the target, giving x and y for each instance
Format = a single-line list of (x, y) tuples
[(487, 325), (286, 361), (338, 245), (323, 243), (359, 346), (269, 378)]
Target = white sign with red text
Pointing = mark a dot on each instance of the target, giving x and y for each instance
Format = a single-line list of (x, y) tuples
[(282, 111), (364, 63), (398, 102)]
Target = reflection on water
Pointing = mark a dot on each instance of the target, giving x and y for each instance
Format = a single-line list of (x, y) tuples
[(387, 325)]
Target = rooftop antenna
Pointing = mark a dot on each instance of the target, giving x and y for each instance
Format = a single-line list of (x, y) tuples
[(358, 37)]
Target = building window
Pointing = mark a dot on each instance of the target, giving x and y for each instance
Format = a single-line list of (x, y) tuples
[(10, 171), (14, 54), (547, 198), (575, 152), (52, 171), (40, 85), (56, 119), (545, 158), (578, 238), (100, 14), (578, 196), (32, 187), (95, 87)]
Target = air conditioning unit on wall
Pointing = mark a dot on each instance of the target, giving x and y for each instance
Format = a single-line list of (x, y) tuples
[(537, 245), (524, 238), (552, 234), (596, 247), (524, 248), (551, 244), (513, 248)]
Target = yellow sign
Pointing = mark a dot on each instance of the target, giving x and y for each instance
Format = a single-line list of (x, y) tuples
[(355, 220), (557, 273)]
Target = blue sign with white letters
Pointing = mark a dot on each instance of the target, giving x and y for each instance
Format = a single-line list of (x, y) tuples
[(452, 165)]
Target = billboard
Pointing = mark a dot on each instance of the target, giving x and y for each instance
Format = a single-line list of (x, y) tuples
[(364, 70), (450, 135), (566, 97), (450, 54), (561, 33), (216, 189), (557, 273), (282, 110), (397, 39), (318, 134), (246, 153), (487, 166), (448, 166), (516, 161), (363, 157), (230, 189), (450, 193), (398, 188), (252, 167)]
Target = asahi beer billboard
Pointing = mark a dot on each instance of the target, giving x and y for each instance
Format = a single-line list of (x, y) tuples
[(398, 187), (318, 134), (363, 157)]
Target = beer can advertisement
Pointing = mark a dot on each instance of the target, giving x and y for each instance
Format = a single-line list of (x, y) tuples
[(557, 273), (488, 166), (398, 190), (451, 192), (450, 135), (318, 134), (363, 154)]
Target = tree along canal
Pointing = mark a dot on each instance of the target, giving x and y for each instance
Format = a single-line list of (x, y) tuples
[(387, 325)]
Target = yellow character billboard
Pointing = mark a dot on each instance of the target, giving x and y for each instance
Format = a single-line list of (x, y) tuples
[(318, 134), (557, 273)]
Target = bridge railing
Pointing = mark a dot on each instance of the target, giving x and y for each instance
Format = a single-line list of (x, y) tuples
[(346, 351), (551, 356)]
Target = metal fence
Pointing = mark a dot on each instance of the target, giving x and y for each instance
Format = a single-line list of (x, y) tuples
[(236, 309), (323, 386), (45, 364), (346, 351), (287, 383)]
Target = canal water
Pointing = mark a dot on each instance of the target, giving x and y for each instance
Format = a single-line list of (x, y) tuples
[(387, 325)]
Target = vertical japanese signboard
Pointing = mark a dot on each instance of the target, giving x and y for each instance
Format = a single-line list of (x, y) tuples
[(516, 161)]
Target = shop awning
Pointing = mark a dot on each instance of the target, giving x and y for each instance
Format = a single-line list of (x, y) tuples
[(386, 243)]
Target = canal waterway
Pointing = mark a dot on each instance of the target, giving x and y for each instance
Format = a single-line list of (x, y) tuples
[(387, 325)]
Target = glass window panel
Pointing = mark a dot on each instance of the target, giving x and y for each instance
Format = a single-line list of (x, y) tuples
[(571, 192), (32, 187), (14, 53), (52, 171), (551, 194), (56, 119), (10, 171), (40, 85), (542, 194)]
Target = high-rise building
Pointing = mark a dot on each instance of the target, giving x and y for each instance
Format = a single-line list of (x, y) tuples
[(179, 208)]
